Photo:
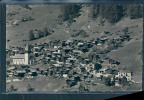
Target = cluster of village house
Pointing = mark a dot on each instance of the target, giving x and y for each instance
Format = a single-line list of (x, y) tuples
[(63, 59)]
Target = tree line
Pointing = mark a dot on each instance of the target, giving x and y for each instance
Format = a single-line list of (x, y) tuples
[(36, 34), (114, 13), (70, 11)]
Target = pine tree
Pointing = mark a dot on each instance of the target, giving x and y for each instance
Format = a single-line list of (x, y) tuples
[(31, 35), (46, 31), (70, 11), (11, 88)]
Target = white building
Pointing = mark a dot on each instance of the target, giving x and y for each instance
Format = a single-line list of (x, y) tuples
[(123, 73), (22, 59)]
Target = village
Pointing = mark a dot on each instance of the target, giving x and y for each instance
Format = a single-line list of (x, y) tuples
[(77, 61)]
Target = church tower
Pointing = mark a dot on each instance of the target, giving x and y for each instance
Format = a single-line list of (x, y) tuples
[(27, 54)]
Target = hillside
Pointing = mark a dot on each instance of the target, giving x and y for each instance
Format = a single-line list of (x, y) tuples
[(49, 18), (88, 23), (17, 31)]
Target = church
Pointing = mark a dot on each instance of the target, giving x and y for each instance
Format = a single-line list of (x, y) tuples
[(22, 59)]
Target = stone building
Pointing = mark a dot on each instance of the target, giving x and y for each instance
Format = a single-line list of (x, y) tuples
[(22, 59)]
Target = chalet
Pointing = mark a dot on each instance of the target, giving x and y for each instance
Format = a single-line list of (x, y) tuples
[(113, 62), (64, 44), (68, 65), (89, 67), (45, 49), (47, 59), (33, 72), (36, 54), (56, 53), (21, 73), (84, 50), (66, 71), (124, 73), (10, 74), (104, 70), (99, 44), (67, 50), (77, 78), (107, 75), (57, 65), (68, 42), (71, 82), (89, 45), (117, 83), (76, 52), (65, 75), (8, 81), (106, 32), (51, 45), (15, 50), (16, 80), (49, 55), (80, 44), (56, 47), (36, 49), (56, 42), (114, 72), (85, 76), (71, 60), (7, 50), (11, 68)]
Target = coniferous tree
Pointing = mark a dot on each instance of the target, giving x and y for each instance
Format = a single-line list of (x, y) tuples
[(31, 35), (70, 11), (114, 13)]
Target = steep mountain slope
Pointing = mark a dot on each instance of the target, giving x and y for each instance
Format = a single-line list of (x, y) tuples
[(48, 16)]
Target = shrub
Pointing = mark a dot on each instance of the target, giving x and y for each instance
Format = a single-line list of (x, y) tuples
[(29, 88), (70, 11), (31, 35), (12, 88)]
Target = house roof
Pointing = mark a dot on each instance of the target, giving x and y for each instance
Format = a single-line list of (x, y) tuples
[(36, 47), (104, 68), (80, 43), (68, 41), (60, 62), (11, 68), (33, 70), (57, 65), (71, 59), (18, 56), (19, 71)]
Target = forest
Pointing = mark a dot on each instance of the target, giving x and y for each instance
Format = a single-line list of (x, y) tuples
[(112, 13)]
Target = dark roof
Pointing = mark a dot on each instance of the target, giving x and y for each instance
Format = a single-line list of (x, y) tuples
[(18, 56)]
